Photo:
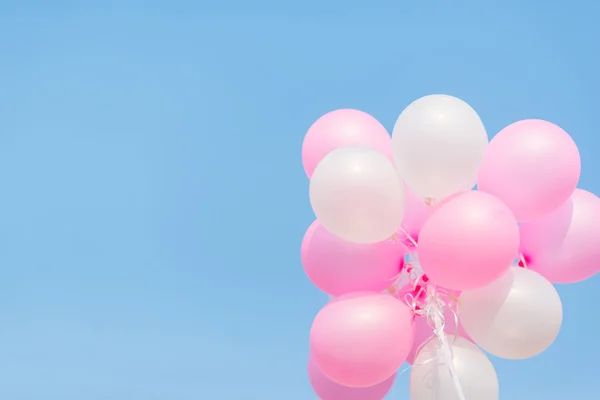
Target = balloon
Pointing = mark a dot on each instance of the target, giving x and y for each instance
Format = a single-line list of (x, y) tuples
[(470, 240), (533, 166), (338, 267), (431, 380), (415, 214), (361, 339), (356, 195), (515, 317), (564, 246), (438, 144), (343, 128), (326, 389)]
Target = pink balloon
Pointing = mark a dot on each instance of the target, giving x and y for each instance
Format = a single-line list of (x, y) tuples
[(338, 267), (415, 214), (361, 340), (533, 166), (326, 389), (470, 240), (564, 246), (423, 331), (343, 128)]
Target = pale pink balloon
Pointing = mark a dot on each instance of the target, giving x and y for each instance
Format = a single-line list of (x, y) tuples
[(326, 389), (415, 214), (533, 166), (338, 267), (564, 246), (470, 240), (423, 330), (341, 128), (361, 340)]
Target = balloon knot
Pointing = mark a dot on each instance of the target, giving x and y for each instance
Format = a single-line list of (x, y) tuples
[(523, 261)]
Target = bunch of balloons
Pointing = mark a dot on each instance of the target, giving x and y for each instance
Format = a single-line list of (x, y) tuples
[(421, 268)]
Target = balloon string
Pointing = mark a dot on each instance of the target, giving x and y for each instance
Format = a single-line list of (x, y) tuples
[(409, 237), (430, 320), (435, 312), (428, 302)]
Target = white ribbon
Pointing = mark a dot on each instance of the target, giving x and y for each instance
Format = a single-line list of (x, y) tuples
[(432, 309), (435, 314)]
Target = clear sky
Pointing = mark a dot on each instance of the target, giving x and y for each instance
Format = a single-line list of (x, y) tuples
[(152, 197)]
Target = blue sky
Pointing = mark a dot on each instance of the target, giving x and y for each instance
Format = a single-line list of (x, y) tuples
[(153, 199)]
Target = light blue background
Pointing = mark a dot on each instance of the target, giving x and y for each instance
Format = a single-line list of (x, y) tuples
[(152, 197)]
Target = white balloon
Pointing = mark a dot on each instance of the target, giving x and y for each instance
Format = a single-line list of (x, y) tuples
[(517, 316), (356, 195), (430, 377), (438, 143)]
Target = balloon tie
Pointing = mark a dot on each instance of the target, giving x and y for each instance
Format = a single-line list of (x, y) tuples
[(523, 261), (430, 201)]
